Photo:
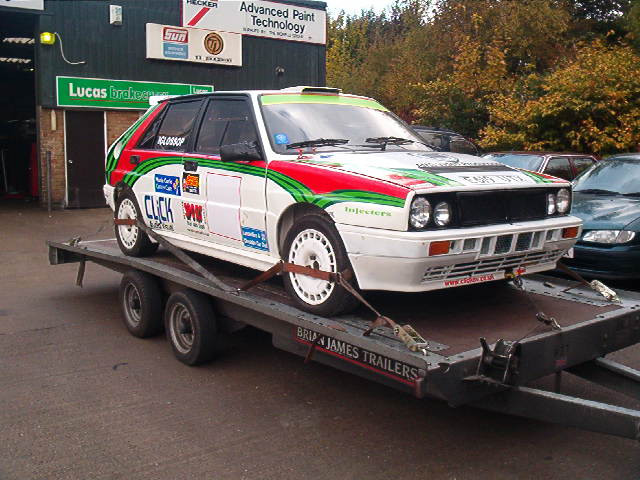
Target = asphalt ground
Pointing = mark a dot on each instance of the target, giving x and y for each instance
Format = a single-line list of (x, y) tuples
[(82, 399)]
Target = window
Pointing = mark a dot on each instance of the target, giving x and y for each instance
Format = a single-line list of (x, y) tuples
[(559, 167), (226, 121), (147, 140), (582, 163), (176, 126)]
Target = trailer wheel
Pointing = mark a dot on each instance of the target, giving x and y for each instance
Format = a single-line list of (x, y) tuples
[(191, 327), (131, 240), (141, 302)]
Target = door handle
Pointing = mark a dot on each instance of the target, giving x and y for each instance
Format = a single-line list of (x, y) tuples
[(190, 165), (134, 159)]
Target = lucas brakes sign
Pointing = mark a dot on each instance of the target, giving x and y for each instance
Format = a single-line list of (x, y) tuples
[(259, 18), (127, 94)]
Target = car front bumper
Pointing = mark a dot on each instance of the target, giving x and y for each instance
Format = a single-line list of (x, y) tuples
[(620, 262), (108, 195), (400, 261)]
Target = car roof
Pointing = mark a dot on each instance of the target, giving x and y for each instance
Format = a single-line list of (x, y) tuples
[(435, 129), (625, 156)]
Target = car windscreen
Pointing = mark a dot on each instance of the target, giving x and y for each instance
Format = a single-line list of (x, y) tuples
[(611, 176), (462, 145), (304, 118), (526, 161)]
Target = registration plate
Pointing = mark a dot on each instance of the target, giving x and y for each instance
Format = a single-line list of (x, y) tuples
[(569, 253)]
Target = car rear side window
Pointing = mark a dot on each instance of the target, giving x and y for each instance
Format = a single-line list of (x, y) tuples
[(225, 122), (559, 167), (175, 128), (582, 163)]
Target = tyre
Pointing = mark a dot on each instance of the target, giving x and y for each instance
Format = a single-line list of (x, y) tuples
[(141, 303), (314, 242), (131, 240), (191, 327)]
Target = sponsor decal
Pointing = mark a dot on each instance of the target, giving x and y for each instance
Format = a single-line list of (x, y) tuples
[(254, 238), (362, 211), (159, 212), (386, 366), (167, 184), (469, 280), (195, 217), (492, 179), (176, 35), (175, 42), (191, 183)]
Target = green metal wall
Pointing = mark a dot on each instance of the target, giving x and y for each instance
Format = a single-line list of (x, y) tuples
[(118, 52)]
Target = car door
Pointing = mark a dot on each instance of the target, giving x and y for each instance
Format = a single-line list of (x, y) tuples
[(232, 192), (160, 151)]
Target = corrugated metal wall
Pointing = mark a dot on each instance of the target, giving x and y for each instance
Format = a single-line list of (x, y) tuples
[(118, 52)]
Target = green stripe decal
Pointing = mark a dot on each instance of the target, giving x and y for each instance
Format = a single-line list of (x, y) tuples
[(536, 177), (298, 190), (437, 180), (277, 99)]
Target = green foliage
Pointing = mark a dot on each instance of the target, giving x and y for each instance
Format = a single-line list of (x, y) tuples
[(498, 70)]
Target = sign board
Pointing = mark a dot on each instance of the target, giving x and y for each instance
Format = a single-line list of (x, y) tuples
[(127, 94), (186, 44), (259, 18), (30, 4)]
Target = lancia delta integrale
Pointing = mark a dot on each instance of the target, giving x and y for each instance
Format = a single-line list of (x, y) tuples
[(334, 182)]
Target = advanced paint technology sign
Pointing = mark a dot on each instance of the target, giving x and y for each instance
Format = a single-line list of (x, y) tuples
[(167, 42), (258, 18)]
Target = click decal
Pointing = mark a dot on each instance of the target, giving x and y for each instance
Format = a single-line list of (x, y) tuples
[(159, 212)]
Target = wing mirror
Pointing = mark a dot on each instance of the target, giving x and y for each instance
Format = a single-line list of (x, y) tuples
[(240, 151)]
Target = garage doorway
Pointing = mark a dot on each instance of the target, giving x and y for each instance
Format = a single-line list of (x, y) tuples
[(18, 162), (85, 153)]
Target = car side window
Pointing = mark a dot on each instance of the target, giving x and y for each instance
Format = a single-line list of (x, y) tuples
[(149, 137), (225, 122), (582, 163), (176, 126), (559, 167)]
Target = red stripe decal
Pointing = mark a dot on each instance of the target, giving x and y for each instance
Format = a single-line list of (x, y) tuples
[(198, 16)]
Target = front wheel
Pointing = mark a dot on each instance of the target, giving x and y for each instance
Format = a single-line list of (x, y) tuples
[(314, 242)]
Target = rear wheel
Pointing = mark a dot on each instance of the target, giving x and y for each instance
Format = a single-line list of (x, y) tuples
[(314, 242), (141, 303), (131, 240), (191, 327)]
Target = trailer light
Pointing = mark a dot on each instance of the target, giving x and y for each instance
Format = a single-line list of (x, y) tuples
[(47, 38), (570, 232), (439, 248)]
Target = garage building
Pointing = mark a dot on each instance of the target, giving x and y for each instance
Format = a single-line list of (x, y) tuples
[(75, 74)]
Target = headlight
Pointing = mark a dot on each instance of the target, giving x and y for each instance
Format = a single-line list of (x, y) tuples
[(442, 214), (551, 204), (420, 213), (609, 236), (563, 200)]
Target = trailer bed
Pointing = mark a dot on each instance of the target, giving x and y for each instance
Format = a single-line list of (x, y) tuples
[(453, 367)]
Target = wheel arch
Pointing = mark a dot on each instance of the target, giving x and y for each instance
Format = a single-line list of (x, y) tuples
[(291, 214)]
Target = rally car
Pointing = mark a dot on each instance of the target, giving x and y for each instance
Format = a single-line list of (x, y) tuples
[(334, 182)]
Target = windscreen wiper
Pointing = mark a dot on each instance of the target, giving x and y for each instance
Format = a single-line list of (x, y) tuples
[(597, 191), (382, 142), (631, 194), (319, 142)]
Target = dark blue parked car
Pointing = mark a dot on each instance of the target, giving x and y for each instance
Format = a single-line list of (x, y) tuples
[(607, 199)]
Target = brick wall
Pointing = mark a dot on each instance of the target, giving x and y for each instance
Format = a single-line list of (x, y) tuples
[(53, 141)]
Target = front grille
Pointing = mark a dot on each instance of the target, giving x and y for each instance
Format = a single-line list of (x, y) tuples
[(524, 241), (491, 265), (503, 244), (485, 208)]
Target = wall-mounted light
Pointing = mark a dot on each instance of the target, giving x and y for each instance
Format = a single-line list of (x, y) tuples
[(47, 38)]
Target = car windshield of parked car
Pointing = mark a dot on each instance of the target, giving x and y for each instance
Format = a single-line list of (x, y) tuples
[(619, 176), (334, 123), (525, 161)]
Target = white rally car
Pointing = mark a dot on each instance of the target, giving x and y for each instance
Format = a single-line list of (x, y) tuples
[(331, 181)]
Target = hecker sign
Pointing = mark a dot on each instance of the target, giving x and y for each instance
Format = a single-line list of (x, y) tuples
[(259, 18), (126, 94)]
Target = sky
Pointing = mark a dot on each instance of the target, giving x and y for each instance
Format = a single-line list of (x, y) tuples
[(355, 6)]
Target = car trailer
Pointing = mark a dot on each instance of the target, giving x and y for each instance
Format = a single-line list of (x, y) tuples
[(478, 346)]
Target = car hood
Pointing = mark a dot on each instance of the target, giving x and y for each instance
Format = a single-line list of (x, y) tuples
[(424, 170), (606, 212)]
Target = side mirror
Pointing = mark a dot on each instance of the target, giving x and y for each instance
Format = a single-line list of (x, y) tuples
[(240, 151)]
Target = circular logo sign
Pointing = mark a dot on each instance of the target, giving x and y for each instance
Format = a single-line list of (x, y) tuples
[(213, 43)]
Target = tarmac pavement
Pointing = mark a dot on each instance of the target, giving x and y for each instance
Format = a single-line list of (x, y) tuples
[(82, 399)]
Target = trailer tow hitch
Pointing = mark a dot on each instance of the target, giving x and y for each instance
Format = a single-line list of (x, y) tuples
[(498, 364)]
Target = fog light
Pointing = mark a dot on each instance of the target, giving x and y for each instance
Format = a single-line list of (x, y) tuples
[(570, 232), (439, 248), (47, 38)]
